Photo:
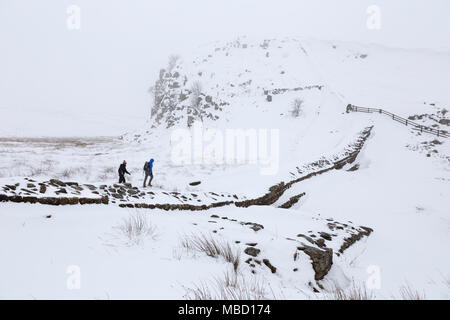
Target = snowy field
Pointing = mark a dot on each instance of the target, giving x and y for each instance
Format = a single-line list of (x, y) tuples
[(398, 185)]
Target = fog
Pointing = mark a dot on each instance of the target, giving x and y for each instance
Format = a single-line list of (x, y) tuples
[(94, 80)]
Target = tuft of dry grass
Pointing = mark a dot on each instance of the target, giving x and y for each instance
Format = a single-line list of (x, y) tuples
[(212, 247), (409, 293), (446, 281), (34, 172), (354, 292), (137, 227), (67, 173), (46, 168), (107, 173), (109, 170), (232, 286)]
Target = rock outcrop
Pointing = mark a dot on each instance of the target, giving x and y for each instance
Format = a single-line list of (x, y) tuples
[(322, 260)]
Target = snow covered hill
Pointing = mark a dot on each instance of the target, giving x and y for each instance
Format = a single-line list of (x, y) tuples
[(350, 200)]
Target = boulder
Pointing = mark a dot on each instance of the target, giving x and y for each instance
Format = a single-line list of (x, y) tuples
[(105, 200), (42, 188), (30, 199), (16, 199), (256, 227), (49, 200), (252, 251), (325, 235), (63, 201), (73, 200), (57, 182), (269, 265), (61, 190), (321, 260)]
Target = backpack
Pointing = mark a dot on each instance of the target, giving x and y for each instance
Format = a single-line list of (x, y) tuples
[(146, 166)]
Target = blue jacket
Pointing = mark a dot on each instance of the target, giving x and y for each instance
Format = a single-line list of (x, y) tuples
[(150, 165)]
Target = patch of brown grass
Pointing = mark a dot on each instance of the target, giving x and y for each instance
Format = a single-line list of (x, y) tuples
[(212, 247)]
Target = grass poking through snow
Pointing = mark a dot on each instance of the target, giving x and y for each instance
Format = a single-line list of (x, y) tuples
[(232, 286), (353, 292), (409, 293), (137, 227), (212, 247)]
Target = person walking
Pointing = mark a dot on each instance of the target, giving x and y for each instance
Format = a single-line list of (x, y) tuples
[(148, 171), (122, 171)]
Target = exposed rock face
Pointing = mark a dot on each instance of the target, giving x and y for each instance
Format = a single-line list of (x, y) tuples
[(364, 231), (269, 198), (445, 121), (175, 101), (322, 259), (293, 200), (325, 235), (284, 90), (354, 168), (320, 242)]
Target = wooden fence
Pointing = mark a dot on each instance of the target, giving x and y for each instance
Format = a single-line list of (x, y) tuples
[(406, 122)]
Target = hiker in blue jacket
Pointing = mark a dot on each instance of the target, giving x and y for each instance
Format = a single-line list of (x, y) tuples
[(148, 171)]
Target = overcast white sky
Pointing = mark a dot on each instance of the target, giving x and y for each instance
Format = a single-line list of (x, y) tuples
[(101, 73)]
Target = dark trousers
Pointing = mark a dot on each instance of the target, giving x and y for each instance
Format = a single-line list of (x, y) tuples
[(121, 178), (148, 174)]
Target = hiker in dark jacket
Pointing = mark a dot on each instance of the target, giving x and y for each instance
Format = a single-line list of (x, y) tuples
[(122, 171), (148, 171)]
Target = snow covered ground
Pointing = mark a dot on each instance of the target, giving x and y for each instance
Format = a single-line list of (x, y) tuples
[(397, 186)]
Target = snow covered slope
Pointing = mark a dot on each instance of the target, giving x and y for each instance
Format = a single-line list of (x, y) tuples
[(355, 198)]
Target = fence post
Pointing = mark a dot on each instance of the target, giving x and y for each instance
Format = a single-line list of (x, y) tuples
[(421, 129), (406, 121)]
